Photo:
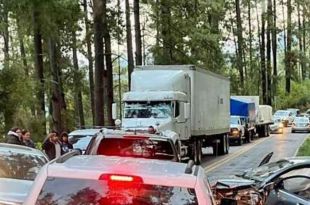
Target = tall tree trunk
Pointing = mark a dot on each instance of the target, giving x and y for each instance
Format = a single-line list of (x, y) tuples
[(99, 62), (269, 28), (38, 62), (263, 61), (300, 41), (250, 34), (288, 56), (165, 13), (22, 47), (5, 33), (304, 40), (90, 60), (129, 43), (274, 48), (56, 90), (259, 43), (284, 27), (109, 69), (77, 83), (240, 45), (136, 10)]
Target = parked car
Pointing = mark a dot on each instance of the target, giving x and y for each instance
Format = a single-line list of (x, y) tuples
[(80, 138), (237, 129), (285, 116), (285, 181), (19, 165), (89, 179), (164, 146), (301, 124)]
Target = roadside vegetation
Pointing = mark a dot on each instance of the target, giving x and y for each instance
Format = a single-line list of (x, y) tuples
[(304, 150)]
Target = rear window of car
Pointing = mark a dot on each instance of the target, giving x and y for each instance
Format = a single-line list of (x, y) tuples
[(20, 165), (133, 147), (64, 191)]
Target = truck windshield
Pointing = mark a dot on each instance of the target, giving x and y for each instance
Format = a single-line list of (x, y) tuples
[(234, 120), (148, 110)]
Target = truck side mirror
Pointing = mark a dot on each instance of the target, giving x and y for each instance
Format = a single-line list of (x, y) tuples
[(187, 110), (114, 111)]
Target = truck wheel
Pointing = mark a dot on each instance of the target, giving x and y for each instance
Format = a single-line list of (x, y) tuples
[(248, 137), (222, 145), (227, 144), (197, 151), (240, 140)]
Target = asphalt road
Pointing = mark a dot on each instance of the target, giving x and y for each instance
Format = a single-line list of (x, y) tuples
[(250, 155)]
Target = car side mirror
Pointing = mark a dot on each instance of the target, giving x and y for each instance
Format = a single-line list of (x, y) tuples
[(114, 111), (227, 201)]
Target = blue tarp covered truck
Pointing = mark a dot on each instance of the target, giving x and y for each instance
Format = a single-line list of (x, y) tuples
[(243, 118)]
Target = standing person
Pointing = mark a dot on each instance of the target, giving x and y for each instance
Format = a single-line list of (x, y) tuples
[(15, 136), (27, 139), (65, 144), (52, 146)]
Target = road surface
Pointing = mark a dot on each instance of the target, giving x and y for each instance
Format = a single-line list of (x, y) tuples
[(250, 155)]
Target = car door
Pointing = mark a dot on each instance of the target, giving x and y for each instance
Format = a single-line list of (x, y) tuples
[(291, 191), (291, 186)]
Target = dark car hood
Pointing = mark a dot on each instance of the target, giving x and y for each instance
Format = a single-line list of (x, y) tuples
[(233, 182), (14, 190)]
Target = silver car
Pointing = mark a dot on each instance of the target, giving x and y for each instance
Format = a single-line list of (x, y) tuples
[(301, 124), (19, 165)]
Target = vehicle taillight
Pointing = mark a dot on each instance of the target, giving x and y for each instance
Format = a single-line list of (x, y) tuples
[(115, 178)]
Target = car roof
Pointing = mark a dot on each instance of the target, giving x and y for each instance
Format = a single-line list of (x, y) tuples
[(84, 132), (158, 172), (166, 135), (5, 147)]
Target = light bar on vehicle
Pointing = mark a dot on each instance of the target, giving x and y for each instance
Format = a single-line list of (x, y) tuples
[(120, 178)]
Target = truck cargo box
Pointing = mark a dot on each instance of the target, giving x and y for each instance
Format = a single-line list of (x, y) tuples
[(242, 107)]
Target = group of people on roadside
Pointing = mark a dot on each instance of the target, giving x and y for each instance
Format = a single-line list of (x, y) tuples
[(53, 145)]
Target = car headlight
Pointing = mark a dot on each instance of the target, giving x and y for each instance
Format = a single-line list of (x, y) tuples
[(281, 125), (235, 132)]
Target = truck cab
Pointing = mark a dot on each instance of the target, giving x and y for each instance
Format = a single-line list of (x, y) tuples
[(237, 129)]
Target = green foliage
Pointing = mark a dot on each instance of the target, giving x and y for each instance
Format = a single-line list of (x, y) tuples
[(299, 96), (304, 150)]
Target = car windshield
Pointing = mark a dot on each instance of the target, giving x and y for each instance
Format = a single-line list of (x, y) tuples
[(262, 172), (301, 120), (148, 110), (281, 113), (64, 191), (234, 120), (80, 141), (136, 147), (20, 166)]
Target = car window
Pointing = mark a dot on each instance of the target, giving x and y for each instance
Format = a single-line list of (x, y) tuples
[(299, 171), (298, 185), (20, 166), (133, 147), (62, 191)]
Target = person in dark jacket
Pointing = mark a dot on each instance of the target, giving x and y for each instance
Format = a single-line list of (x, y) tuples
[(15, 136), (66, 146), (52, 146), (27, 139)]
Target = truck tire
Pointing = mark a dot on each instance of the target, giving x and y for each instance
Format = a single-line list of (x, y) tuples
[(197, 151), (248, 136), (240, 140), (227, 144), (222, 145)]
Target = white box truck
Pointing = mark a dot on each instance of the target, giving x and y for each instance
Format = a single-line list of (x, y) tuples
[(263, 116), (190, 101)]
